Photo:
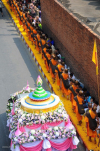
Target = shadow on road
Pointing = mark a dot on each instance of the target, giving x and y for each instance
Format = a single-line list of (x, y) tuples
[(4, 132), (94, 3)]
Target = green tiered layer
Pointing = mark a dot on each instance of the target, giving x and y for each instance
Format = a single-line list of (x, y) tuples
[(39, 92)]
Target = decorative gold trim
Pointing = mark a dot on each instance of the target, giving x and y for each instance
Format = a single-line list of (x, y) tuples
[(38, 111), (28, 100)]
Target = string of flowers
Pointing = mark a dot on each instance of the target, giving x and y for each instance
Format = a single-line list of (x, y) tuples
[(35, 135), (26, 89), (14, 97), (25, 118)]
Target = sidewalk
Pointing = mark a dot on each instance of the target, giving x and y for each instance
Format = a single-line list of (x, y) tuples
[(88, 11)]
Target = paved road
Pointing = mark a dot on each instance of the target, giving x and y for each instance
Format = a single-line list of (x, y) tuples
[(16, 67)]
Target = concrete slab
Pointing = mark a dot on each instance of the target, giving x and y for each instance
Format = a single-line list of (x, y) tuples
[(86, 10)]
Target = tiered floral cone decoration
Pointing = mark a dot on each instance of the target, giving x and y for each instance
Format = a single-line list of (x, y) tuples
[(42, 121), (39, 93)]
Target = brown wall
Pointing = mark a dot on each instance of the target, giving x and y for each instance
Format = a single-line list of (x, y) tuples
[(75, 41)]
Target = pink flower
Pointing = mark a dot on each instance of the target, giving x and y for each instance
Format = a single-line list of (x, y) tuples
[(26, 134), (50, 133), (53, 137), (20, 142), (50, 128), (48, 137), (43, 121), (64, 130), (54, 120), (41, 137), (39, 121), (39, 117), (29, 140), (63, 136)]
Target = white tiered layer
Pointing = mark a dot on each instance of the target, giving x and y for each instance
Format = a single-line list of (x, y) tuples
[(44, 105)]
